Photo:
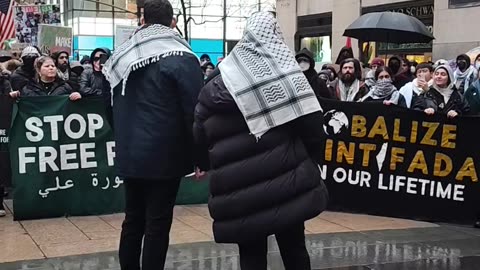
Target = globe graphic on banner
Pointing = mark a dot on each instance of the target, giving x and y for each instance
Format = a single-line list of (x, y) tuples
[(336, 122)]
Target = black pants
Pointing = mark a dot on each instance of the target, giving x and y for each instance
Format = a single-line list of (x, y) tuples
[(2, 193), (148, 217), (291, 242)]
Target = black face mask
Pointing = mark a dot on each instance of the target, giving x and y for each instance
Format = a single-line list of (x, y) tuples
[(28, 62), (394, 66), (462, 65)]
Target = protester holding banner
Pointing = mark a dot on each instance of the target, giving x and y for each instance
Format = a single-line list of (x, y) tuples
[(47, 82), (443, 96), (349, 86), (383, 90), (26, 73), (156, 79), (421, 84), (264, 179)]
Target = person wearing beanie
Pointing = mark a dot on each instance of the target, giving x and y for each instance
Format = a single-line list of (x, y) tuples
[(26, 73), (370, 77), (443, 97)]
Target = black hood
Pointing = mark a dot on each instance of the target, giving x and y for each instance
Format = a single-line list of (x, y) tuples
[(105, 50), (308, 54), (466, 58), (341, 57)]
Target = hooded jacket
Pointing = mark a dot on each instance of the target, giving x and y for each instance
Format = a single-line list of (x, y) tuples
[(435, 100), (94, 83), (463, 80), (400, 77), (342, 57), (319, 86)]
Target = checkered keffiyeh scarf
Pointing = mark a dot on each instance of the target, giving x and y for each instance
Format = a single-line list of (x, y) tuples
[(148, 45), (264, 78)]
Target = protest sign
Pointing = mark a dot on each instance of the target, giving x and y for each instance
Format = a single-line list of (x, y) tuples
[(391, 161), (28, 19), (6, 105), (52, 39)]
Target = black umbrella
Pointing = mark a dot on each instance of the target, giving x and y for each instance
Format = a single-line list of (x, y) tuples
[(390, 27)]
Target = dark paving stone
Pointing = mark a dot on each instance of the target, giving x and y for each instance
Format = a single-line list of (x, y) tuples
[(418, 235), (463, 263), (382, 250)]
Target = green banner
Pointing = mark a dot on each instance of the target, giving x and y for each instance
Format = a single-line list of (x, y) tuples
[(62, 155), (62, 158)]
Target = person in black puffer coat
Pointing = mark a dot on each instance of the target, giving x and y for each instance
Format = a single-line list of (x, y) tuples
[(94, 83), (264, 177), (26, 73), (307, 64), (443, 97)]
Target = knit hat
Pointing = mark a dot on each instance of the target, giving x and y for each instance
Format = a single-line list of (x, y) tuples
[(378, 62), (30, 51)]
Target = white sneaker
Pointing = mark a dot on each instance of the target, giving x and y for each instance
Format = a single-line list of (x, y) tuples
[(3, 213)]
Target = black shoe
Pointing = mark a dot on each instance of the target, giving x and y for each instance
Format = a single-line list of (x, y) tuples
[(477, 224)]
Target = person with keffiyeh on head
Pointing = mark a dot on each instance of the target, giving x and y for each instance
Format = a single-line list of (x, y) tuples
[(156, 79), (260, 126)]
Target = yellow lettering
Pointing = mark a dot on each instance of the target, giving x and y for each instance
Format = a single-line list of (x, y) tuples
[(379, 128), (344, 153), (358, 126), (448, 135), (396, 132), (467, 170), (414, 132), (328, 150), (396, 157), (437, 167), (367, 148), (418, 163), (427, 139)]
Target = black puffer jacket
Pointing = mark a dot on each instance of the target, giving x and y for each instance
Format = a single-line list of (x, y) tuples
[(94, 83), (433, 99), (258, 188), (59, 88), (20, 78), (319, 86)]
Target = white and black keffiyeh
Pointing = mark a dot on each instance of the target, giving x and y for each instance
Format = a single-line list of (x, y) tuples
[(264, 78), (148, 45)]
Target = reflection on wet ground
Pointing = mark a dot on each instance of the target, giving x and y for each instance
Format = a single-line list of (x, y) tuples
[(440, 248)]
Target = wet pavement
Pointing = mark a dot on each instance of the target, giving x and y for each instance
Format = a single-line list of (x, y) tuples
[(440, 248)]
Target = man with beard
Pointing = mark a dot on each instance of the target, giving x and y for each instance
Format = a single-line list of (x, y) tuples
[(466, 74), (349, 87), (64, 71), (400, 77), (26, 73), (307, 65)]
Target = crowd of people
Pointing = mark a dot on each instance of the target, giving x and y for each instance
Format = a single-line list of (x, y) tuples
[(34, 74), (429, 87), (254, 122)]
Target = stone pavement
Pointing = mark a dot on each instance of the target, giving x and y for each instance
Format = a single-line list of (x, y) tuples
[(334, 240)]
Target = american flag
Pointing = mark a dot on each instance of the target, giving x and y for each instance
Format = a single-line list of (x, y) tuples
[(7, 25)]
